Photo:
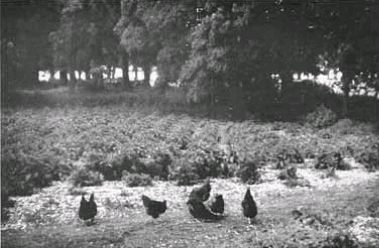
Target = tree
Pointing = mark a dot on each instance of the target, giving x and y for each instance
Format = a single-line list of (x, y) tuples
[(25, 45), (277, 37), (239, 45), (127, 11), (351, 33), (154, 33), (85, 37)]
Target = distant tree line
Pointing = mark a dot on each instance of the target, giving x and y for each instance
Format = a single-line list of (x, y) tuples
[(222, 52)]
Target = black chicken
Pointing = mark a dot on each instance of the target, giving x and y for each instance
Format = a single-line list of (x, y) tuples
[(249, 207), (217, 204), (198, 210), (88, 209), (154, 208), (202, 192)]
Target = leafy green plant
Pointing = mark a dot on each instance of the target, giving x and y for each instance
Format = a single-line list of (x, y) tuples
[(249, 172), (321, 117), (344, 165), (155, 169), (343, 126), (34, 216), (164, 160), (370, 159), (184, 172), (301, 182), (134, 179), (23, 174), (339, 240), (288, 173), (113, 204), (84, 177), (76, 191), (6, 203), (329, 160), (112, 170)]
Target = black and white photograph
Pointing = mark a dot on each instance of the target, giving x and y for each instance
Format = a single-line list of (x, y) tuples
[(190, 123)]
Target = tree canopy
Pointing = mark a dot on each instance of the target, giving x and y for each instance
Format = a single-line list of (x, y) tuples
[(222, 52), (85, 36), (25, 27)]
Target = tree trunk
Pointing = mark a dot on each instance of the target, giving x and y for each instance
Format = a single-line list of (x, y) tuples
[(135, 74), (97, 79), (63, 76), (72, 82), (125, 69), (113, 71), (376, 103), (212, 103), (30, 78), (51, 71), (88, 75), (146, 72), (238, 104), (286, 77), (347, 78)]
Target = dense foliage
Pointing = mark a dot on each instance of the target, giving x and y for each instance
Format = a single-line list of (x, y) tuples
[(222, 53), (96, 137), (228, 51), (25, 46)]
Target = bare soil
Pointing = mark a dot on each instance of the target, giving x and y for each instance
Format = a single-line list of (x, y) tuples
[(50, 217)]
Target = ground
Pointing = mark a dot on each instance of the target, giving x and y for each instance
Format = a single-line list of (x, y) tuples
[(49, 218)]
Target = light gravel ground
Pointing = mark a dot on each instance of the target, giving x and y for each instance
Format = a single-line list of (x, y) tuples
[(51, 215)]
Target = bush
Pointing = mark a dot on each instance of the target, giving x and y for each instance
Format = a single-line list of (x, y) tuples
[(114, 170), (5, 204), (134, 179), (363, 108), (304, 96), (249, 173), (344, 165), (76, 191), (157, 167), (321, 117), (83, 177), (209, 162), (285, 157), (329, 160), (343, 126), (22, 174), (105, 169), (288, 173), (339, 240), (133, 163), (165, 160), (301, 182), (370, 159), (184, 172)]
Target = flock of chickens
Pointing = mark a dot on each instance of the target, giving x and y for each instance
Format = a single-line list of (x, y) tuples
[(212, 210)]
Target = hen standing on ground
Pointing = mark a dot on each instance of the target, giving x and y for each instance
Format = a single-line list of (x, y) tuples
[(198, 210), (154, 208), (249, 207), (195, 203), (202, 192), (88, 209), (217, 204)]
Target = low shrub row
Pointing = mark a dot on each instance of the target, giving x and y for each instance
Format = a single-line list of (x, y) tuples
[(23, 174), (41, 146)]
